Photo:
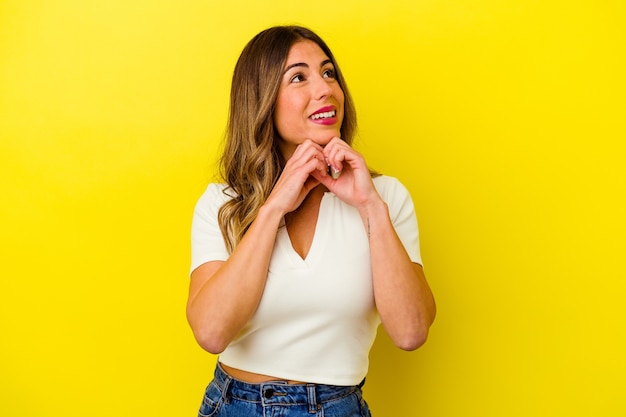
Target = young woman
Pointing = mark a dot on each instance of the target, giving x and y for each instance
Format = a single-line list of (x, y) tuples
[(302, 252)]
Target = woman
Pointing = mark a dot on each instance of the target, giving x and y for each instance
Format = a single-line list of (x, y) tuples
[(302, 253)]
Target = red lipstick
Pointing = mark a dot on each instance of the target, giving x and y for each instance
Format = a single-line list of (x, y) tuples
[(326, 115)]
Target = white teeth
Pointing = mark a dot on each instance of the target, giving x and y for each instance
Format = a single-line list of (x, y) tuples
[(324, 115)]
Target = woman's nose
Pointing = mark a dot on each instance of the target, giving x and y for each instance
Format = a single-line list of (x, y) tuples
[(321, 88)]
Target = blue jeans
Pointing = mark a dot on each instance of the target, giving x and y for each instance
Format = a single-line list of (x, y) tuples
[(228, 397)]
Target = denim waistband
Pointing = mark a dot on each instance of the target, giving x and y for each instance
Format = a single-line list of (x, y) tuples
[(280, 392)]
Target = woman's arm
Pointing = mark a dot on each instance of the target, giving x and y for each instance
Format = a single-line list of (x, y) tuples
[(403, 298), (223, 295)]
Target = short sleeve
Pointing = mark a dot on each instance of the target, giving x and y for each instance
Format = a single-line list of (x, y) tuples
[(207, 243), (402, 214)]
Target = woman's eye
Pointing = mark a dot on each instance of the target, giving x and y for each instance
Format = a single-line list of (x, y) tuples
[(298, 78), (329, 73)]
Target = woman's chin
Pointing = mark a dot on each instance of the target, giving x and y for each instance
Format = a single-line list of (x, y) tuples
[(325, 138)]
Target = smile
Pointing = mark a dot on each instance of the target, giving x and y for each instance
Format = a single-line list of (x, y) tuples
[(324, 115)]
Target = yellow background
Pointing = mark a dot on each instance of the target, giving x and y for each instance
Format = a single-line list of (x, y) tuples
[(504, 118)]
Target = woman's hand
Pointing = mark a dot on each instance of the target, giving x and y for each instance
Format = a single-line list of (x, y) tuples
[(354, 185), (300, 175), (403, 298)]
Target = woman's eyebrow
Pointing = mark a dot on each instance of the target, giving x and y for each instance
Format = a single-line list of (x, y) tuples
[(305, 65), (298, 64)]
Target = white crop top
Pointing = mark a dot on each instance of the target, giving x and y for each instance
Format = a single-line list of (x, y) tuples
[(317, 320)]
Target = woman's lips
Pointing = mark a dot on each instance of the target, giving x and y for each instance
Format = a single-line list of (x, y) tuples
[(325, 116)]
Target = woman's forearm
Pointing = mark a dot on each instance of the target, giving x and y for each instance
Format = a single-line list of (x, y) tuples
[(223, 296), (403, 298)]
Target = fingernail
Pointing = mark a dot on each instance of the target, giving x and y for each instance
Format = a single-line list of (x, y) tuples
[(335, 173)]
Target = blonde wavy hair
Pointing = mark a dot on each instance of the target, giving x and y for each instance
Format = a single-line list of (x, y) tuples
[(251, 162)]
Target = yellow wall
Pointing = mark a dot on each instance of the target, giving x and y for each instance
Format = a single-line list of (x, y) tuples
[(505, 120)]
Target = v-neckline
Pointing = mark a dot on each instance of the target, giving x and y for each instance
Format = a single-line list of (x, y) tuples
[(307, 255)]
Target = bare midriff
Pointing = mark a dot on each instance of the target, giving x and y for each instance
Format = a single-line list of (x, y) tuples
[(254, 378)]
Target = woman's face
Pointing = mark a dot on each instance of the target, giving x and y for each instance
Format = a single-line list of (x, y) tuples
[(310, 100)]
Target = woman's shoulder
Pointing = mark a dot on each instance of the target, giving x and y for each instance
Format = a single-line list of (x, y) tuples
[(216, 193), (216, 187), (392, 191), (386, 184)]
